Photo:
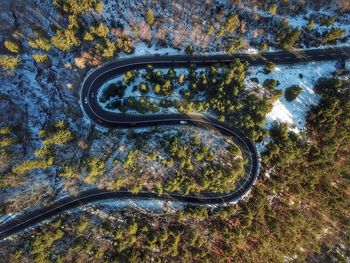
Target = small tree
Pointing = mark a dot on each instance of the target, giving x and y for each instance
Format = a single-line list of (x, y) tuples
[(263, 47), (99, 7), (12, 46), (40, 58), (292, 92), (40, 43), (189, 49), (327, 21), (9, 62), (270, 84), (108, 50), (101, 30), (310, 24), (150, 17), (272, 9), (269, 67), (143, 87), (65, 40), (235, 46), (333, 34)]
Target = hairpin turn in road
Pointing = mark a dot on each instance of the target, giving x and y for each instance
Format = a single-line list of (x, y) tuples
[(95, 113)]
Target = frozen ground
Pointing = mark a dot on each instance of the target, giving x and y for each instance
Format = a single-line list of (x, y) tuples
[(303, 75)]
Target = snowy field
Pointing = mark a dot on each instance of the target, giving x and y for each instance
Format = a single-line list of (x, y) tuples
[(303, 75)]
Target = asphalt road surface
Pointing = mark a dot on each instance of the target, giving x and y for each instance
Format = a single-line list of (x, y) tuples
[(96, 114)]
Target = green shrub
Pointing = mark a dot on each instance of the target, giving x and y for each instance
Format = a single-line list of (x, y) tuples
[(31, 165), (107, 50), (130, 159), (40, 58), (9, 62), (263, 47), (101, 30), (333, 34), (269, 67), (292, 92), (327, 21), (78, 7), (143, 87), (189, 49), (270, 84), (310, 24), (60, 137), (286, 36), (150, 17), (65, 40), (235, 46), (40, 43), (95, 169), (272, 9), (12, 46)]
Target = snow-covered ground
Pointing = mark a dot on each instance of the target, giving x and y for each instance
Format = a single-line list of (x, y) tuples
[(303, 75)]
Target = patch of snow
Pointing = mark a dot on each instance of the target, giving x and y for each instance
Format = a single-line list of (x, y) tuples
[(303, 75)]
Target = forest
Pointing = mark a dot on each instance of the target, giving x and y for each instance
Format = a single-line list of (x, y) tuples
[(298, 210)]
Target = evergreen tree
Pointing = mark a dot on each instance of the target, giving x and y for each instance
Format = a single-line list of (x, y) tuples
[(292, 92), (40, 43), (65, 40), (9, 62), (333, 34), (150, 17), (12, 46)]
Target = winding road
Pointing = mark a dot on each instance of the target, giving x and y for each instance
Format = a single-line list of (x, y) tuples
[(95, 113)]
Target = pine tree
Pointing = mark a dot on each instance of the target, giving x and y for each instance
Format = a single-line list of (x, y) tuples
[(150, 17), (9, 62), (12, 46), (40, 43), (65, 40), (333, 34), (40, 58)]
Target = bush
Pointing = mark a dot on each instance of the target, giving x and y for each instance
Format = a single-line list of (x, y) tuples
[(150, 17), (231, 23), (9, 62), (143, 88), (78, 7), (130, 159), (125, 44), (65, 40), (143, 105), (189, 49), (40, 58), (129, 77), (112, 91), (272, 9), (270, 84), (327, 21), (95, 169), (286, 36), (263, 47), (31, 165), (107, 50), (292, 92), (310, 24), (269, 67), (333, 34), (40, 43), (101, 30), (235, 46), (12, 46)]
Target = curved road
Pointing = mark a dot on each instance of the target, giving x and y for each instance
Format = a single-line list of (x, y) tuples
[(91, 108)]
